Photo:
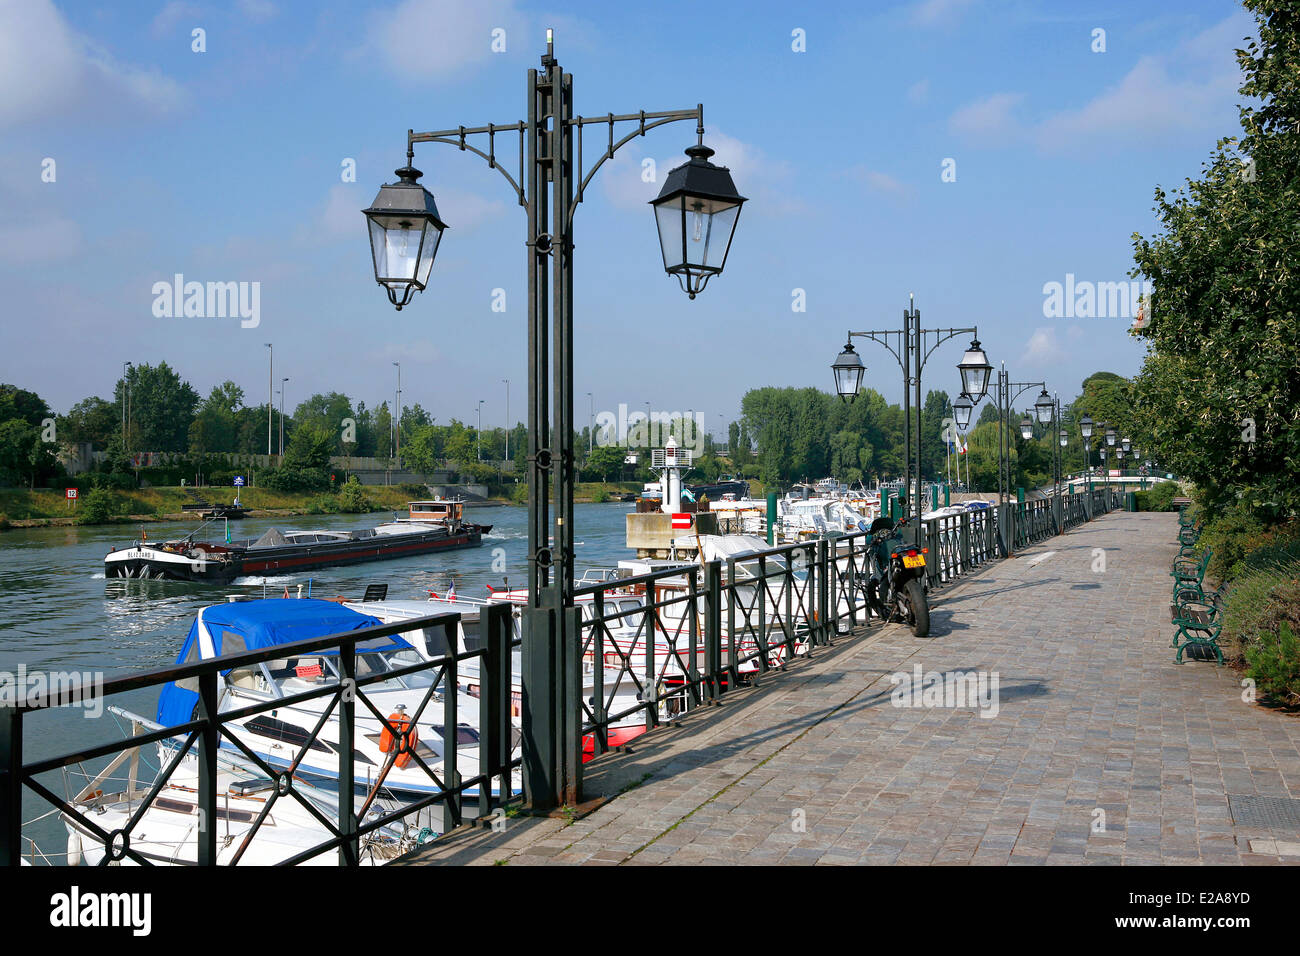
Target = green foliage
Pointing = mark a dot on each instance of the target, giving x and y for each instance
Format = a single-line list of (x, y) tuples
[(520, 495), (1274, 663), (162, 408), (1229, 536), (600, 496), (1219, 389), (352, 498), (605, 462), (1159, 498), (97, 507)]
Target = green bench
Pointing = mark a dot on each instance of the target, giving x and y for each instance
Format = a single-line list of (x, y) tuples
[(1198, 623)]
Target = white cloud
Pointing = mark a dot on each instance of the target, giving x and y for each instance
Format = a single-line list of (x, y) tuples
[(988, 119), (756, 175), (258, 10), (172, 15), (41, 240), (1194, 84), (930, 13), (47, 70), (436, 38), (1043, 347), (875, 180)]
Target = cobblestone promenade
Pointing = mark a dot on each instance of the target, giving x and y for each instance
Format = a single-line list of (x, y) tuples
[(1101, 750)]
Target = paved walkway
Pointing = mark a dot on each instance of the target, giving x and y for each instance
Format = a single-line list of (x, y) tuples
[(1101, 751)]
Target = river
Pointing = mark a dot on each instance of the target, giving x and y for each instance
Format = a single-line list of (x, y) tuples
[(58, 613)]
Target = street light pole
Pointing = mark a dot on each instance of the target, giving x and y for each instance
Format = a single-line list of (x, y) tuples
[(270, 394), (397, 418), (282, 381), (507, 381), (478, 427), (591, 425), (696, 214), (912, 351)]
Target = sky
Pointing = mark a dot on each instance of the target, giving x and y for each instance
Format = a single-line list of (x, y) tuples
[(966, 152)]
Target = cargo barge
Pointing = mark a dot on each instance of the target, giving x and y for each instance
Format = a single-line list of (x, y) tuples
[(432, 526)]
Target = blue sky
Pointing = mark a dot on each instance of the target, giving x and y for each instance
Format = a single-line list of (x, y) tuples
[(225, 165)]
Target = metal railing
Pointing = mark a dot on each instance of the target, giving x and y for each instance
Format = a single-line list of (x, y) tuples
[(652, 648), (660, 644), (208, 734)]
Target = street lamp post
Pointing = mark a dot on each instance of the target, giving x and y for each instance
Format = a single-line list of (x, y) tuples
[(282, 381), (270, 394), (591, 425), (696, 214), (507, 381), (397, 417), (913, 349), (478, 427), (126, 405)]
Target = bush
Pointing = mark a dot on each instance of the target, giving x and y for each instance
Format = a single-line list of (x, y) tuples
[(291, 480), (1229, 536), (323, 505), (1258, 603), (1158, 498), (520, 495), (119, 480), (600, 495), (1274, 664), (413, 491), (352, 499), (97, 507)]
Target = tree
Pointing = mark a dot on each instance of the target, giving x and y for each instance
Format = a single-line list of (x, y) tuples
[(19, 403), (606, 460), (162, 407), (1218, 393), (91, 420)]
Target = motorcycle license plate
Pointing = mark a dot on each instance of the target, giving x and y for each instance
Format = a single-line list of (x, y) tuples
[(914, 561)]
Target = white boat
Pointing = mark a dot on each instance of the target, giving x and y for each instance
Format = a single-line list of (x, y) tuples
[(166, 831), (277, 735)]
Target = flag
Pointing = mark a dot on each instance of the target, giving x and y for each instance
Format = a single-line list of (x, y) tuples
[(451, 595)]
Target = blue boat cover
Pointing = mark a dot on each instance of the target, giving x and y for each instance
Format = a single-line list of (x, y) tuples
[(262, 624)]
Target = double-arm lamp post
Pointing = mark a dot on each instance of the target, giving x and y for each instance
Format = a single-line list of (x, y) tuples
[(1006, 394), (911, 346), (696, 213)]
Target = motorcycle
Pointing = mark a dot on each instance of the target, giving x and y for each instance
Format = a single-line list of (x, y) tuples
[(896, 588)]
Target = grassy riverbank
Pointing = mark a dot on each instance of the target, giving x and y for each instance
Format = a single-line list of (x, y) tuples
[(20, 508)]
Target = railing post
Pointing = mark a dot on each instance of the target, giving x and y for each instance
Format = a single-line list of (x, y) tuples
[(209, 740), (693, 609), (451, 806), (349, 849), (825, 632), (600, 716), (761, 600), (494, 709), (11, 785), (713, 629), (733, 665)]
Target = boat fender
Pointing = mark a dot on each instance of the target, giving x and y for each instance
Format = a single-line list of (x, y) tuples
[(405, 740), (74, 848)]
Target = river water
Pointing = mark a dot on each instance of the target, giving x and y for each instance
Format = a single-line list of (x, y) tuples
[(59, 613)]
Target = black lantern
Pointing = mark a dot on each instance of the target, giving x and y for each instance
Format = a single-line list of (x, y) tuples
[(1125, 444), (1044, 408), (405, 230), (1065, 438), (697, 211), (1110, 437), (1085, 426), (961, 410), (1027, 428), (974, 368), (848, 369)]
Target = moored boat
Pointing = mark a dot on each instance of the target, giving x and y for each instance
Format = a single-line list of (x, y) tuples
[(278, 551)]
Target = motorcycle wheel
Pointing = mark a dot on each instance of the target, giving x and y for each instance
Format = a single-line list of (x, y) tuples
[(920, 607)]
